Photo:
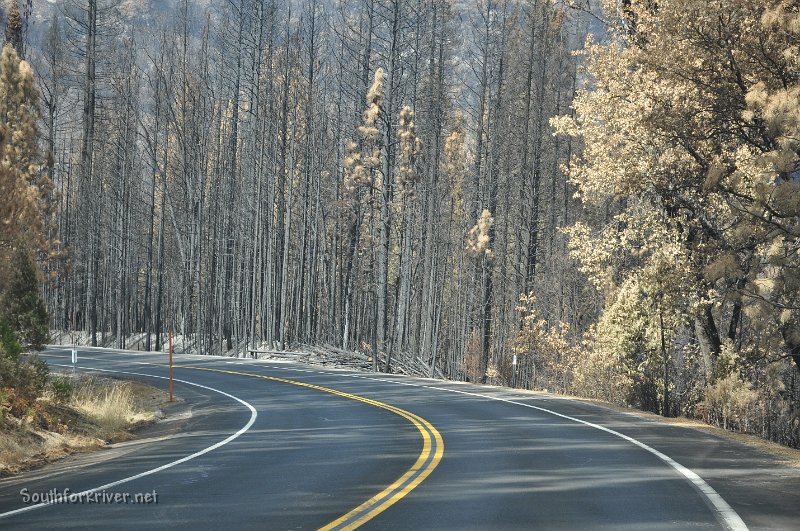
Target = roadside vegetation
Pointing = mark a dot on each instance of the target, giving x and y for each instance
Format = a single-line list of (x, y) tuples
[(44, 416)]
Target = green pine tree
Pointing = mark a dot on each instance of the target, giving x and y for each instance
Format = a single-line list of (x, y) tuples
[(10, 349), (24, 309)]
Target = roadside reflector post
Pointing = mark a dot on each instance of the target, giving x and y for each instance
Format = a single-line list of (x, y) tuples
[(170, 364), (514, 371), (74, 356)]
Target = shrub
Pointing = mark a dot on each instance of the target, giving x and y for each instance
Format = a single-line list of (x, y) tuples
[(729, 403), (22, 380), (9, 346), (61, 388)]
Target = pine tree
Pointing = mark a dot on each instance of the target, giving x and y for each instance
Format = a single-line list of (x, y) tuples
[(362, 172), (21, 211), (23, 308), (410, 151), (407, 177), (21, 184), (14, 28)]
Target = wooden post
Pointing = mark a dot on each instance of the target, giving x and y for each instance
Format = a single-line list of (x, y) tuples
[(170, 364)]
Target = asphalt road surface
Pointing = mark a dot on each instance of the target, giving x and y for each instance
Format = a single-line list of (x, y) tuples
[(269, 445)]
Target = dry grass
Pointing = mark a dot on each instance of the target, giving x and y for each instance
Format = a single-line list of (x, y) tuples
[(110, 404), (12, 450), (22, 447)]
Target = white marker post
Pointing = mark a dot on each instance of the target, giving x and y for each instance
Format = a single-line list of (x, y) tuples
[(514, 371), (74, 356), (170, 364)]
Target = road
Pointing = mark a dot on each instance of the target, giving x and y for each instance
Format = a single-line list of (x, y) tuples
[(269, 445)]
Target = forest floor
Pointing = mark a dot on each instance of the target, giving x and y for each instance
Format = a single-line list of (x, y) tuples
[(77, 414), (322, 355)]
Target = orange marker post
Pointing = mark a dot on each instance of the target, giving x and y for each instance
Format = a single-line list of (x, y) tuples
[(170, 364)]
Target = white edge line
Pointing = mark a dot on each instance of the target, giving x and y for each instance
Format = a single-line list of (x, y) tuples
[(253, 416), (724, 512)]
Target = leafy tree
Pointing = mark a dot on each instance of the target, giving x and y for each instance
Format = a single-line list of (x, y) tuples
[(544, 353), (690, 132)]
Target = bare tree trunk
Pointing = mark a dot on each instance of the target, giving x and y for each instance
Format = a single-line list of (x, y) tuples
[(87, 154)]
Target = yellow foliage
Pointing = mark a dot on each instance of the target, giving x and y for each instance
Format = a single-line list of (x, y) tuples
[(728, 402), (22, 188), (410, 151), (690, 124), (478, 237)]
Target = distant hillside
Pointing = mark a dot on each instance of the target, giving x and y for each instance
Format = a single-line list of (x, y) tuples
[(144, 13)]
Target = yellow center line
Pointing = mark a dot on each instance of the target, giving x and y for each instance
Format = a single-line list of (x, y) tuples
[(429, 458)]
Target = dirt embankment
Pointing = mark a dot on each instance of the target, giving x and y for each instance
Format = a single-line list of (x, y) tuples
[(75, 414)]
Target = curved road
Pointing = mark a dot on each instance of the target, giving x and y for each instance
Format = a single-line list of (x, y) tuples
[(268, 445)]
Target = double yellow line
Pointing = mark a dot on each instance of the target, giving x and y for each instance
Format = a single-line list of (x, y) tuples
[(432, 451)]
